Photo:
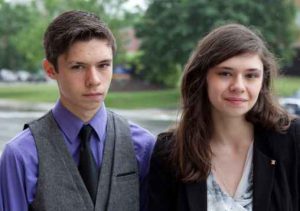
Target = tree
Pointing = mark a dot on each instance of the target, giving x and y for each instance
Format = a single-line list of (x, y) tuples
[(29, 39), (12, 19), (22, 27), (170, 30)]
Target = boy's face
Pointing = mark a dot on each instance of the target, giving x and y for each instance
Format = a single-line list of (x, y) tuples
[(83, 77)]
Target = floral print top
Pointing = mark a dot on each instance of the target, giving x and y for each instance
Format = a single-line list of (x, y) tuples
[(219, 200)]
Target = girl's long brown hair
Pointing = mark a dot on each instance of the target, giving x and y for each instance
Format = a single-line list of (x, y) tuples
[(191, 151)]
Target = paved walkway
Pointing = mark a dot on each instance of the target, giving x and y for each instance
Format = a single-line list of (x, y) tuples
[(14, 114), (150, 114)]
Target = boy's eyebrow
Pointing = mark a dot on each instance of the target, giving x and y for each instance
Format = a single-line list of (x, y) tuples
[(105, 61), (101, 61)]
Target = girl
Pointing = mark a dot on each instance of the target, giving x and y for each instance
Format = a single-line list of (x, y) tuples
[(234, 147)]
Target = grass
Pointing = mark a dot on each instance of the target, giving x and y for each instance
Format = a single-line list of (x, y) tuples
[(286, 86), (128, 100), (41, 92), (143, 99), (48, 92)]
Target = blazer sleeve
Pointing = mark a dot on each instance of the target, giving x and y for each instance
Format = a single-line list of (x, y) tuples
[(297, 131), (297, 139), (162, 186)]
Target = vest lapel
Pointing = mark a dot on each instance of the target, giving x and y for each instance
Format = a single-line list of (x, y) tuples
[(118, 186), (49, 139), (104, 182), (263, 174), (71, 166), (197, 196)]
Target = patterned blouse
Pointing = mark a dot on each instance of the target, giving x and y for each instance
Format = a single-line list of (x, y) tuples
[(218, 199)]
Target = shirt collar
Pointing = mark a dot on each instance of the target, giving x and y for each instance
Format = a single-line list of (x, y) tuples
[(70, 124)]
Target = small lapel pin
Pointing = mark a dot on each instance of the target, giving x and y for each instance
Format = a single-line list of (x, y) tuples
[(273, 162)]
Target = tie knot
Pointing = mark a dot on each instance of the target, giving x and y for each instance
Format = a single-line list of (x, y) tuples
[(85, 133)]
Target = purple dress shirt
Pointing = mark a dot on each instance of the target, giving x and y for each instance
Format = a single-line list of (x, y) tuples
[(19, 161)]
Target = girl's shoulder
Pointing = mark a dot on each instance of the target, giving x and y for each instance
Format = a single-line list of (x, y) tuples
[(282, 143), (163, 148), (296, 124), (295, 129), (165, 142)]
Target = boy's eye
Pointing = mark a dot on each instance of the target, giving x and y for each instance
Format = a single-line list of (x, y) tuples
[(77, 67), (104, 65)]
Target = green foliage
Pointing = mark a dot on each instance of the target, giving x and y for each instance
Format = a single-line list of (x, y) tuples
[(22, 27), (29, 43), (170, 30), (12, 19)]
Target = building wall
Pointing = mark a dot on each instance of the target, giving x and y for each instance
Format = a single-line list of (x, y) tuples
[(129, 40)]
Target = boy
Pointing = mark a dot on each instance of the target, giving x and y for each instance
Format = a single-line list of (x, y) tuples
[(79, 156)]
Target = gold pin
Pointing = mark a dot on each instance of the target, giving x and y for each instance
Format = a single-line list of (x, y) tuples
[(273, 162)]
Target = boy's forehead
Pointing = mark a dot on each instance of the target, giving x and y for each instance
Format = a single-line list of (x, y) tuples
[(80, 45), (86, 42)]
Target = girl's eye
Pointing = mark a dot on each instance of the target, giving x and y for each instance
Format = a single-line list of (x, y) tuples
[(224, 74), (252, 75)]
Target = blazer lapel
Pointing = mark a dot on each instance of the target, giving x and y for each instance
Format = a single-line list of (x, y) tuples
[(263, 174), (197, 196), (263, 177)]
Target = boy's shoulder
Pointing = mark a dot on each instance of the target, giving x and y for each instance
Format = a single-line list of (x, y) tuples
[(136, 130), (21, 147)]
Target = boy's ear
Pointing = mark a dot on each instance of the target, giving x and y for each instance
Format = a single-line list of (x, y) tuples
[(49, 69)]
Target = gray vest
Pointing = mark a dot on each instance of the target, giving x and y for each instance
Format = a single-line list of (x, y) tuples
[(59, 185)]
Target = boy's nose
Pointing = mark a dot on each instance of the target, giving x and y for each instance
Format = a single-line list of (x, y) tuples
[(92, 77)]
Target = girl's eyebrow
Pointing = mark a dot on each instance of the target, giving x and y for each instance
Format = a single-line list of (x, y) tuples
[(230, 68), (224, 68)]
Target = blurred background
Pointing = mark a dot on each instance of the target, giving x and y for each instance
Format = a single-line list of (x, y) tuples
[(155, 38)]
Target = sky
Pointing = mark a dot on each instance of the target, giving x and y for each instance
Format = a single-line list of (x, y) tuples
[(130, 4)]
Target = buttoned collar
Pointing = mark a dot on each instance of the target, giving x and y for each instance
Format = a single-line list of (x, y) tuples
[(70, 124)]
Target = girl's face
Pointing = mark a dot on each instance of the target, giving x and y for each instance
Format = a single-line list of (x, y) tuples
[(234, 85)]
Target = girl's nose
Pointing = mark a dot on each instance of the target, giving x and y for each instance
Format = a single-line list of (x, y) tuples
[(238, 85)]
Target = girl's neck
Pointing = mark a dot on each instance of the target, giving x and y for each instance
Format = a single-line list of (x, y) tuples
[(232, 131)]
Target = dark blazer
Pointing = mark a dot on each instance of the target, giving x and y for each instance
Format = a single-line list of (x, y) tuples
[(276, 175)]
